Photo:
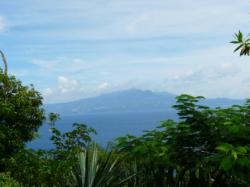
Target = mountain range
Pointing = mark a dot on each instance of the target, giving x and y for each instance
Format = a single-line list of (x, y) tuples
[(133, 100)]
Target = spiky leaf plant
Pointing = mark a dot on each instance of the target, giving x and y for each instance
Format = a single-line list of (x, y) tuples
[(99, 168)]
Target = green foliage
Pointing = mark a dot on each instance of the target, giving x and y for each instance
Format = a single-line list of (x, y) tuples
[(206, 147), (52, 167), (7, 181), (74, 161), (99, 169), (78, 138), (242, 42), (52, 118), (20, 115)]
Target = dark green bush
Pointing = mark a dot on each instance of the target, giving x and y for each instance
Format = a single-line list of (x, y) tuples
[(20, 115)]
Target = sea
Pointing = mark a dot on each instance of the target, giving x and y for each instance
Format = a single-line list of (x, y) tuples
[(109, 126)]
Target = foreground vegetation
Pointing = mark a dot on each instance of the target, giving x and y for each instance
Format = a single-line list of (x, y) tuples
[(205, 147)]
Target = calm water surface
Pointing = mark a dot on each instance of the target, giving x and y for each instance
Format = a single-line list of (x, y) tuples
[(108, 125)]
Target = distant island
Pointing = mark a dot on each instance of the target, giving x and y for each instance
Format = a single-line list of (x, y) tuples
[(132, 100)]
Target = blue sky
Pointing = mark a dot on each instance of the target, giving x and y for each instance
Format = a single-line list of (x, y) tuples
[(82, 48)]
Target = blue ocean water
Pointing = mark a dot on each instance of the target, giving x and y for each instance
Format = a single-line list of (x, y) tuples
[(108, 125)]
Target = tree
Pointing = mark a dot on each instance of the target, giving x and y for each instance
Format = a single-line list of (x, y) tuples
[(21, 113), (205, 147)]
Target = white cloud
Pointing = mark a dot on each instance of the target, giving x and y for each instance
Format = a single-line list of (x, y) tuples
[(102, 86), (68, 89), (65, 84)]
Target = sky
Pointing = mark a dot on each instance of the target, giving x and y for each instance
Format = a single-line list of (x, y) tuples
[(72, 49)]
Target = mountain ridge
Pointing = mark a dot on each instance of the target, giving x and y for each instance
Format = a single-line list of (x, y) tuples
[(132, 100)]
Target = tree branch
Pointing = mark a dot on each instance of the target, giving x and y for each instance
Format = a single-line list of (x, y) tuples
[(5, 62)]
